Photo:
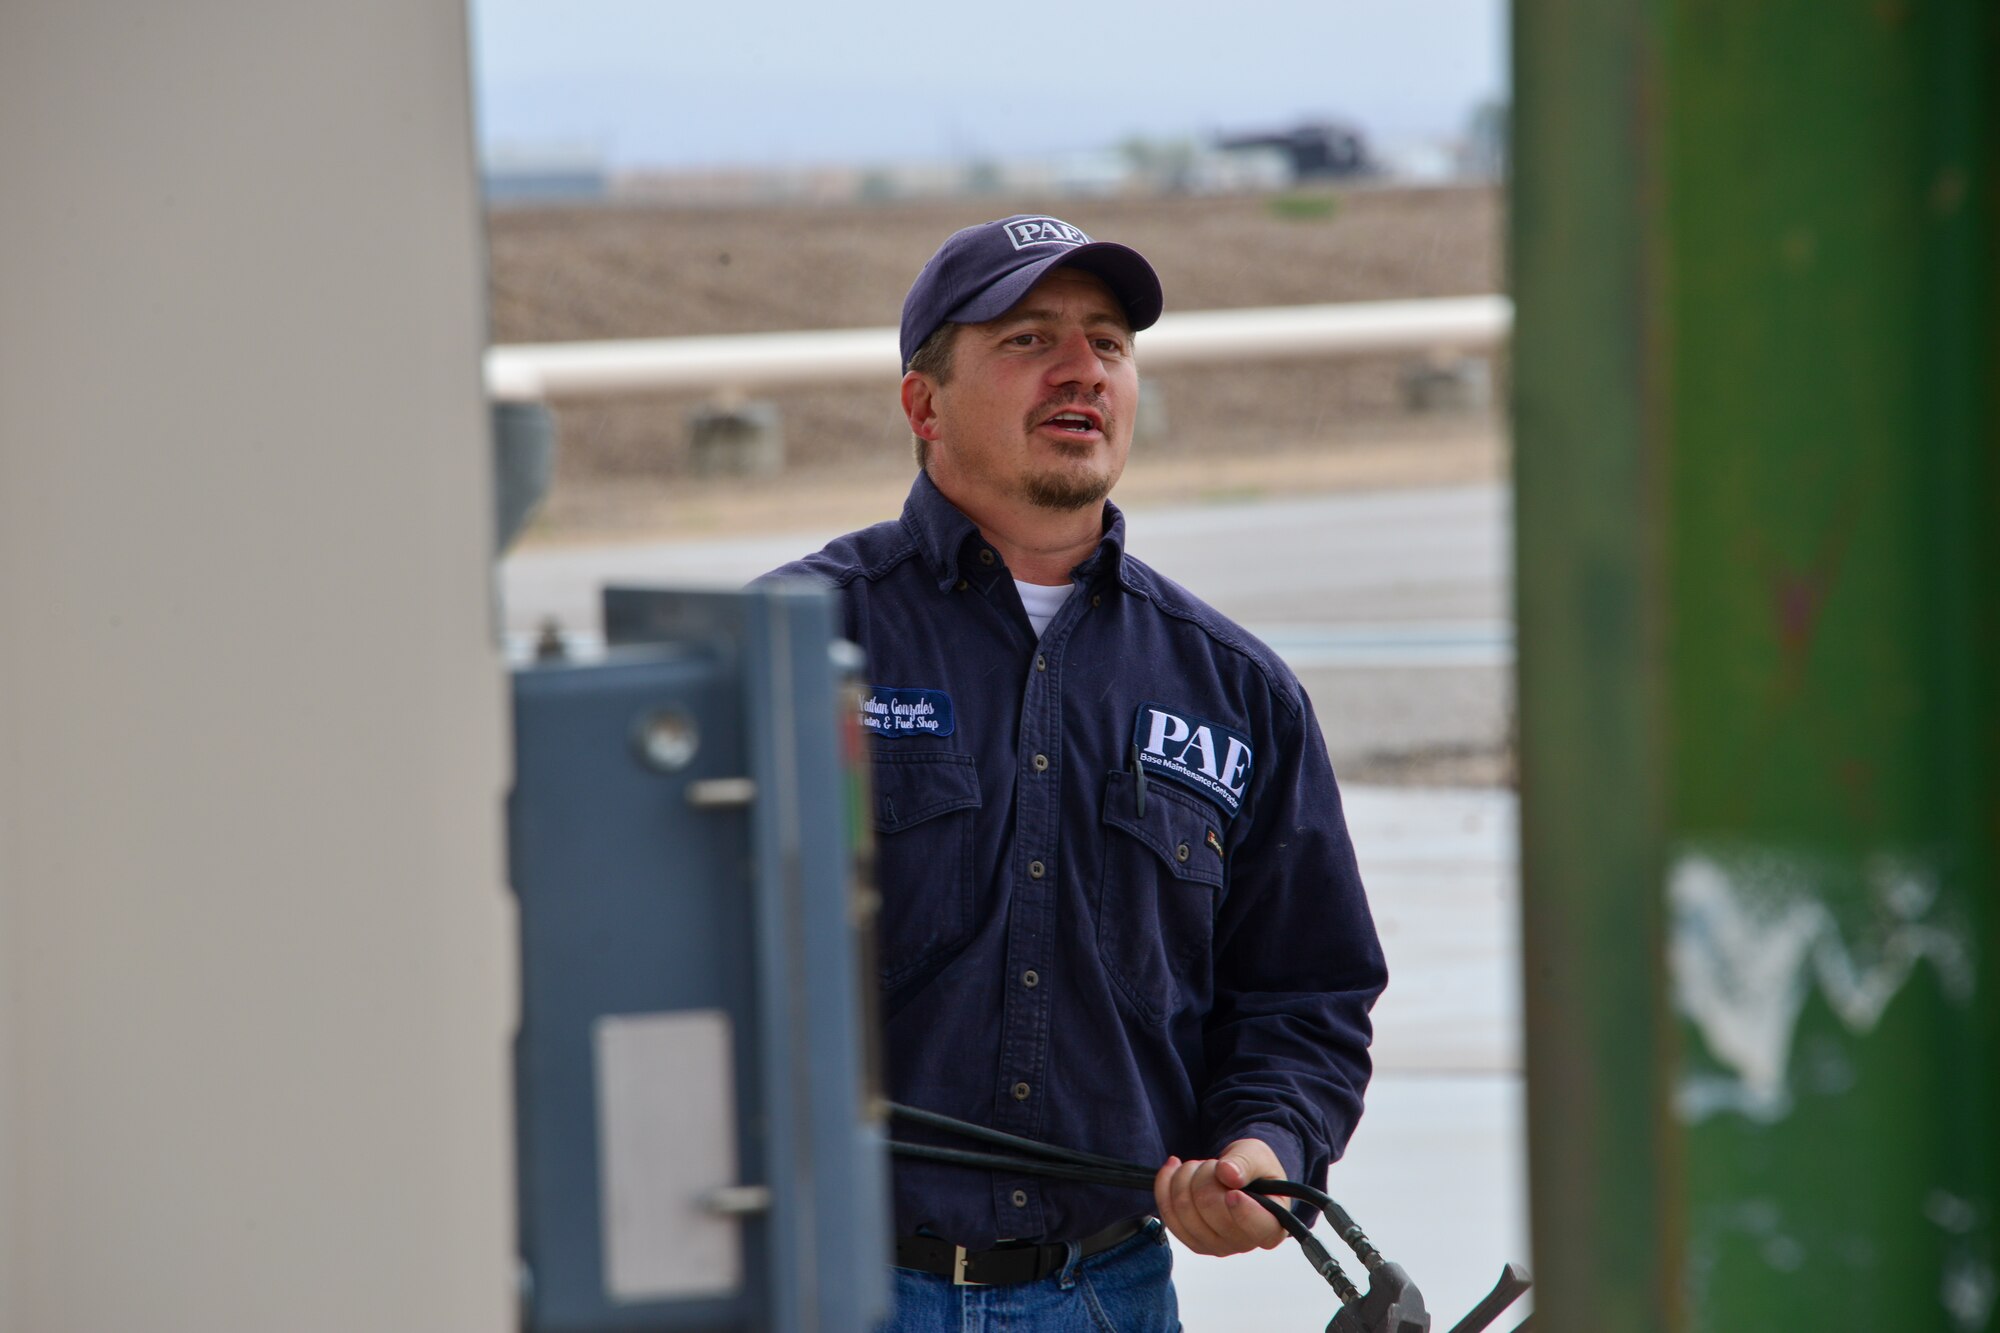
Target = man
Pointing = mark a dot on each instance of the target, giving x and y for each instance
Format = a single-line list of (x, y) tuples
[(1120, 907)]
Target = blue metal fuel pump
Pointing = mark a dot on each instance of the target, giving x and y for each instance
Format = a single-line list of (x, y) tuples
[(700, 1143)]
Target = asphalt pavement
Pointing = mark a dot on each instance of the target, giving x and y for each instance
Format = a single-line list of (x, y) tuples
[(1393, 606), (1407, 558)]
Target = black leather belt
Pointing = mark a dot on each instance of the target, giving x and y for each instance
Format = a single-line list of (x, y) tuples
[(1007, 1263)]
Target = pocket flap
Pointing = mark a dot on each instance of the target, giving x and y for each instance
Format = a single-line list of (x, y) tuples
[(1185, 834), (910, 788)]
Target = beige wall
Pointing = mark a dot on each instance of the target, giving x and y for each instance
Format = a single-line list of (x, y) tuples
[(256, 969)]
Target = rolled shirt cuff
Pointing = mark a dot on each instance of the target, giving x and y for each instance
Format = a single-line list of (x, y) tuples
[(1279, 1139)]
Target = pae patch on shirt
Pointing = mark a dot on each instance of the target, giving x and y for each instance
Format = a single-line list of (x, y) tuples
[(889, 710), (1203, 756)]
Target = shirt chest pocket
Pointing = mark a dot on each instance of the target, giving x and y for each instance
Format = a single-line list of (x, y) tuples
[(1156, 901), (924, 810)]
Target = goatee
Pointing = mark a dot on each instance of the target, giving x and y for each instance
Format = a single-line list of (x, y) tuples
[(1066, 493)]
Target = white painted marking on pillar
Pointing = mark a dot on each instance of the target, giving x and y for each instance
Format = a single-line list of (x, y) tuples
[(1968, 1290), (1750, 936)]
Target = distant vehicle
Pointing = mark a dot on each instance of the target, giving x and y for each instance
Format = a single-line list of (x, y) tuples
[(1315, 149)]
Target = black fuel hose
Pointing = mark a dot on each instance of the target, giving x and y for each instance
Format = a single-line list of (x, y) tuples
[(1033, 1157)]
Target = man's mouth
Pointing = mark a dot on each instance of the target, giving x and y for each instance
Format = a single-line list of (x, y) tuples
[(1077, 423)]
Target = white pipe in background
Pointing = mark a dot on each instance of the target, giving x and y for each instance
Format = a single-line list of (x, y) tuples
[(742, 363)]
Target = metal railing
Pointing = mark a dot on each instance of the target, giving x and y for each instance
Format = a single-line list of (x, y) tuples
[(738, 364)]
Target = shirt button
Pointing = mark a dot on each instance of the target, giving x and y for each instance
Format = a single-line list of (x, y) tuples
[(1041, 763), (1031, 978), (985, 555), (1181, 852), (1020, 1198), (1096, 599), (1041, 662), (1035, 867), (962, 586), (1021, 1092)]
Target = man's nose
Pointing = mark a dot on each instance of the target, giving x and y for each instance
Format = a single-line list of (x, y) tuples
[(1077, 361)]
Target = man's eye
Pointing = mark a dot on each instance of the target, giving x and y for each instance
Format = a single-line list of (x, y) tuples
[(1022, 339)]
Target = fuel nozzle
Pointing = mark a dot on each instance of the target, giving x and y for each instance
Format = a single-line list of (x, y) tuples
[(1393, 1305)]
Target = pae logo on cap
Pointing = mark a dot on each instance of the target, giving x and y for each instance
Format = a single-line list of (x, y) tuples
[(1044, 231)]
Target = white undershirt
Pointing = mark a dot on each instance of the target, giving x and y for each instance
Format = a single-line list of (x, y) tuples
[(1042, 602)]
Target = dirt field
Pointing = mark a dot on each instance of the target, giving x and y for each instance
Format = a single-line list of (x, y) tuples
[(627, 271)]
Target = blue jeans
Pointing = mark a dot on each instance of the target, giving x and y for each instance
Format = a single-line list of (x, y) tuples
[(1127, 1289)]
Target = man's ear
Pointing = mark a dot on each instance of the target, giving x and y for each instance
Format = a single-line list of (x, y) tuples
[(920, 405)]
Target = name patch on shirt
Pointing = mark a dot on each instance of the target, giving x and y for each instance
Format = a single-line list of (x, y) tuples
[(888, 710), (1204, 756)]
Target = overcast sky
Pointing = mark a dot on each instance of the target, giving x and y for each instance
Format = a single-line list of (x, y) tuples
[(787, 82)]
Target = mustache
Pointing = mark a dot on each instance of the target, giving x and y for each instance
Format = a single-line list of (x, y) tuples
[(1061, 402)]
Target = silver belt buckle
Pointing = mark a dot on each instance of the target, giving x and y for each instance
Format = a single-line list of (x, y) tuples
[(958, 1277)]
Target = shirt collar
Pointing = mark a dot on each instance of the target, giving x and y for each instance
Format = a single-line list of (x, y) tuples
[(942, 533)]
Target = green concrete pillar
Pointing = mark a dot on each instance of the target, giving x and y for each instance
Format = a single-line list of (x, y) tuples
[(1757, 437)]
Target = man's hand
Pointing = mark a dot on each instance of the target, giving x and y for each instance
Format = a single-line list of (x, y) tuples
[(1203, 1203)]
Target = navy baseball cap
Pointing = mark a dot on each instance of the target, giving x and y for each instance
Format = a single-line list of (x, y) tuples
[(979, 273)]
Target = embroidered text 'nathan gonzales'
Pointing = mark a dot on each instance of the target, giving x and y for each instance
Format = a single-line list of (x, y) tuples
[(888, 711)]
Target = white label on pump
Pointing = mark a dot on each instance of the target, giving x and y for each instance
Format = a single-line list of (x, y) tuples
[(666, 1129)]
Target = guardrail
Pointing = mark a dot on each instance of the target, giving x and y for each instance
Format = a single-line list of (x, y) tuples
[(737, 364)]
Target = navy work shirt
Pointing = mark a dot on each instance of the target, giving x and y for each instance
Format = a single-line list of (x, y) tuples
[(1120, 908)]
